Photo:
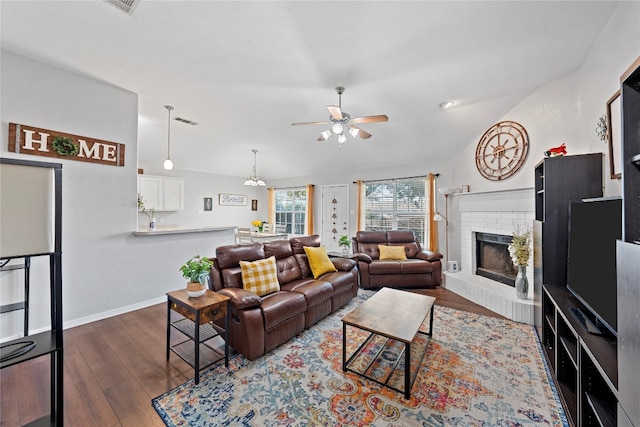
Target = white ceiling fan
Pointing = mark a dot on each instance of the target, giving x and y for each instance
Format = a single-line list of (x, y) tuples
[(341, 123)]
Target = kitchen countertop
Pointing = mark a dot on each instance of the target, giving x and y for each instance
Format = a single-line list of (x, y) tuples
[(176, 229)]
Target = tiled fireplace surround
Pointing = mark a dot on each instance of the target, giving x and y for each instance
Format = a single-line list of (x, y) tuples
[(491, 212)]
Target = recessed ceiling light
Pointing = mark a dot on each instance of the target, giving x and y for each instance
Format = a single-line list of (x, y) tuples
[(447, 104)]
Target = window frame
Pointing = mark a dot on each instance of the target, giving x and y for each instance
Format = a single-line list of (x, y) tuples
[(397, 216)]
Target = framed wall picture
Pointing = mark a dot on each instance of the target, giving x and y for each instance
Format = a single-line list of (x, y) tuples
[(254, 204), (226, 199), (208, 204), (614, 135)]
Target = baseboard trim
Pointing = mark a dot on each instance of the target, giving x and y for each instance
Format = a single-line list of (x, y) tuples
[(110, 313)]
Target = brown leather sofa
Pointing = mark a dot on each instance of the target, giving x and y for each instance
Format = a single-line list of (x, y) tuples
[(260, 324), (421, 269)]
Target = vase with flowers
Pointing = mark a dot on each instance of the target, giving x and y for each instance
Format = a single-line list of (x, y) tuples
[(259, 225), (520, 249)]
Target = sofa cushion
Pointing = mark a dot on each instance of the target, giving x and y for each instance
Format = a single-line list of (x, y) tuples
[(392, 252), (416, 266), (232, 277), (371, 237), (314, 291), (281, 306), (411, 249), (400, 236), (260, 277), (385, 267), (319, 261), (340, 281), (231, 255), (298, 243)]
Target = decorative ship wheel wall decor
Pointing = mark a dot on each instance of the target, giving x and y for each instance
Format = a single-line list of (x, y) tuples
[(502, 150)]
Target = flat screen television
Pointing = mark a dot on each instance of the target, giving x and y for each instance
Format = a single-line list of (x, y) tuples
[(594, 227)]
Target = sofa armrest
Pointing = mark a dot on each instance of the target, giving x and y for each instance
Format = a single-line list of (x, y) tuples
[(362, 257), (429, 256), (241, 299), (343, 264)]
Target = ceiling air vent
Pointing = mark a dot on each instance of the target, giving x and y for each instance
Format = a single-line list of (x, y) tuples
[(124, 5), (187, 121)]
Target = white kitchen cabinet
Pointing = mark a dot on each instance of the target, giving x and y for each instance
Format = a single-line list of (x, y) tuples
[(161, 193)]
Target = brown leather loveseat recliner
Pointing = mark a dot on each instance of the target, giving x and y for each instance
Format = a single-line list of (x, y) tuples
[(260, 324), (421, 269)]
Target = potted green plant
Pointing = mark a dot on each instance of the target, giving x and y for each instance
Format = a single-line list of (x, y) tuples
[(345, 243), (150, 213), (197, 271)]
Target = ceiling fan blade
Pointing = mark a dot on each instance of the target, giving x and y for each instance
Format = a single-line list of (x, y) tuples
[(335, 112), (363, 134), (309, 123), (369, 119)]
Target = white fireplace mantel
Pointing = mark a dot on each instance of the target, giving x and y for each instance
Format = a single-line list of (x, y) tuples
[(492, 212)]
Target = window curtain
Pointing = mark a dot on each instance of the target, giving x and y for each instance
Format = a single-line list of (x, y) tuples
[(432, 224), (271, 206), (359, 221), (309, 209)]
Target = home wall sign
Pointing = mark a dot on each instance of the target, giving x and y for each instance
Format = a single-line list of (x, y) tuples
[(50, 143), (232, 199)]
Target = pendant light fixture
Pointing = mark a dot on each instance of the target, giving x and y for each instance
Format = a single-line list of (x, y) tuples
[(168, 163), (253, 180)]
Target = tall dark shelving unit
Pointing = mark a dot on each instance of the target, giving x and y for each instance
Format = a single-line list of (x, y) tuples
[(48, 343), (628, 253), (583, 366), (558, 180)]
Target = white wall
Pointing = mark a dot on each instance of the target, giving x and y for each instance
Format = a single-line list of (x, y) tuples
[(106, 270)]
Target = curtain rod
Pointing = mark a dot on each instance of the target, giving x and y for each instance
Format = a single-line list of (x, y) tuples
[(396, 179), (303, 187)]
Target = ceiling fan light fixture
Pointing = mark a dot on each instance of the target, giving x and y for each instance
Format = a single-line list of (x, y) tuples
[(326, 133), (353, 131), (342, 138), (337, 128)]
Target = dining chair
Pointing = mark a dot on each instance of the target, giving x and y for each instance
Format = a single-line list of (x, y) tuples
[(243, 235)]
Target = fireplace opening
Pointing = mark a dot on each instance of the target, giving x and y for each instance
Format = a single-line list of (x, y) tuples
[(493, 260)]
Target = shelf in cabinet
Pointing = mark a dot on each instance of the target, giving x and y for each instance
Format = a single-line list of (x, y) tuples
[(570, 399), (550, 320), (572, 349), (602, 413)]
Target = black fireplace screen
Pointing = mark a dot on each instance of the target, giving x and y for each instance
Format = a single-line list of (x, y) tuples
[(492, 258)]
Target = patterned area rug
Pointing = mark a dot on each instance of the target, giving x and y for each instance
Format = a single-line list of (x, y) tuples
[(477, 371)]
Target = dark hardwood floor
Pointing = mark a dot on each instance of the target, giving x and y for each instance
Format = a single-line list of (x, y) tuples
[(114, 367)]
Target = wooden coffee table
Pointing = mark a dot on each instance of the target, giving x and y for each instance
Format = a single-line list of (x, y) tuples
[(396, 315)]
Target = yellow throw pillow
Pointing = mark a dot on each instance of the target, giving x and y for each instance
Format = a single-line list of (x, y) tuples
[(392, 252), (260, 277), (319, 261)]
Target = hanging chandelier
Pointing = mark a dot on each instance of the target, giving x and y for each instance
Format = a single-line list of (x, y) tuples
[(253, 180)]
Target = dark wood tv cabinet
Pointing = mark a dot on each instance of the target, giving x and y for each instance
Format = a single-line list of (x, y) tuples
[(583, 365)]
